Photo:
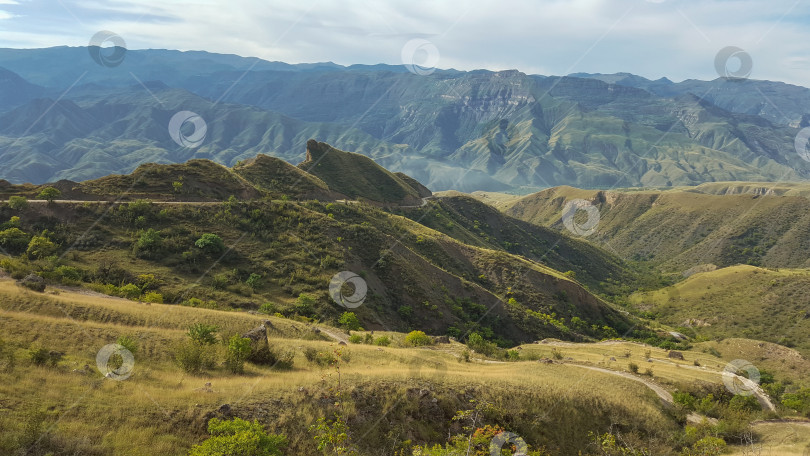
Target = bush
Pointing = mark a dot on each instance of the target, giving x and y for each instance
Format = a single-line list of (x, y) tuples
[(476, 343), (18, 203), (193, 357), (14, 240), (40, 247), (350, 321), (356, 339), (210, 244), (633, 368), (148, 243), (33, 282), (418, 339), (153, 297), (129, 343), (239, 438), (129, 291), (382, 341), (268, 308), (320, 358), (43, 356), (202, 334), (238, 352)]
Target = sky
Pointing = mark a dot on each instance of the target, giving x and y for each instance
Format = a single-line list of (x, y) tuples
[(677, 39)]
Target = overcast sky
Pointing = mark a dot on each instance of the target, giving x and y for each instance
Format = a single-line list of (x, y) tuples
[(678, 39)]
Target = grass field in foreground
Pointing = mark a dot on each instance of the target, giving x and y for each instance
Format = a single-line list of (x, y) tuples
[(398, 394)]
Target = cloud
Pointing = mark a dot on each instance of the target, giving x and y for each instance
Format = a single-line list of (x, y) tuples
[(674, 38)]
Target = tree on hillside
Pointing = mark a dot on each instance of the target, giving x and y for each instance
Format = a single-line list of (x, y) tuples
[(210, 243), (49, 194), (40, 247), (18, 203), (14, 240)]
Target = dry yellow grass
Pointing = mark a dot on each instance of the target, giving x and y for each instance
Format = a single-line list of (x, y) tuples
[(161, 410)]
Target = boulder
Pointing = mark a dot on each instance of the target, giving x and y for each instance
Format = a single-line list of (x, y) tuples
[(33, 282), (675, 354)]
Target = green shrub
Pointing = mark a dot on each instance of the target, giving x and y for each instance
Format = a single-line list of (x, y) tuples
[(210, 244), (633, 367), (350, 321), (40, 247), (369, 339), (14, 240), (254, 281), (153, 297), (148, 243), (129, 291), (203, 334), (320, 358), (129, 343), (476, 343), (356, 339), (238, 437), (268, 308), (18, 203), (193, 357), (382, 341), (238, 352), (418, 339), (43, 356)]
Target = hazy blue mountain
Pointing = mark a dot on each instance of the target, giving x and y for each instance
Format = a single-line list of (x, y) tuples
[(474, 130)]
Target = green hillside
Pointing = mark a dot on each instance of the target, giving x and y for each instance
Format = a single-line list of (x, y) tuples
[(356, 175), (684, 228), (739, 301)]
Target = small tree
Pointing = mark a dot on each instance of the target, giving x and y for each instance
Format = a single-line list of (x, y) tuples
[(14, 240), (49, 194), (239, 438), (350, 321), (203, 334), (238, 352), (40, 247), (18, 203), (210, 243), (148, 242)]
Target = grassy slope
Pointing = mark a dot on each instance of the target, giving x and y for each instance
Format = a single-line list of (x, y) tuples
[(682, 229), (417, 277), (739, 301), (164, 411), (470, 221), (356, 175)]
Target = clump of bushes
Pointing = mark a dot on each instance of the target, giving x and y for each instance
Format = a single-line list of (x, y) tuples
[(418, 339)]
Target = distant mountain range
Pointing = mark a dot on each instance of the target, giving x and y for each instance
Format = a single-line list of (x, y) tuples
[(62, 116)]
